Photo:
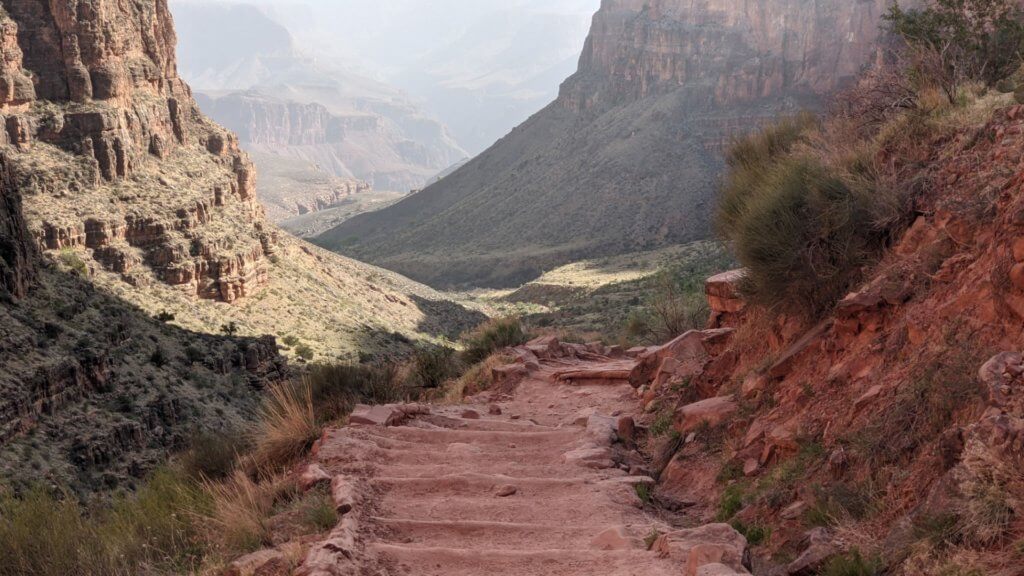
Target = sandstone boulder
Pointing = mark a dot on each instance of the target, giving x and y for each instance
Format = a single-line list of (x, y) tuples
[(712, 412), (689, 354), (707, 545), (260, 563), (819, 549), (723, 293), (509, 376), (546, 348), (344, 494), (314, 475), (335, 556), (615, 538)]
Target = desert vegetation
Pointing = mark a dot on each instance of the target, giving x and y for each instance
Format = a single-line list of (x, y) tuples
[(809, 203), (224, 494)]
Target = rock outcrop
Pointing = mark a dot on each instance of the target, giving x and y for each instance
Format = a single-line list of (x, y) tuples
[(114, 127), (629, 155), (16, 248), (117, 345)]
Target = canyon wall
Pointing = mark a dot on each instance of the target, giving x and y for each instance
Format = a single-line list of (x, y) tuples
[(629, 155), (16, 247), (108, 111), (137, 270)]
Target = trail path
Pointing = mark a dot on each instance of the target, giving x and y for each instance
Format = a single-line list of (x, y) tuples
[(464, 490)]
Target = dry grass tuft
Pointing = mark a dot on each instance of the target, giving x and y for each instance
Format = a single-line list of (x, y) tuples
[(240, 510), (287, 425)]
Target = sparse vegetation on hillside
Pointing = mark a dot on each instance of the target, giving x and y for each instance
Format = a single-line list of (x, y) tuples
[(808, 205), (954, 42)]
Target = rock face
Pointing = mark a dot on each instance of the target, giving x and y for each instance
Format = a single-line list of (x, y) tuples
[(16, 248), (360, 145), (628, 156), (112, 119)]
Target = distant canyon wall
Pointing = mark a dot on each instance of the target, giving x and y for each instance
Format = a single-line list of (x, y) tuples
[(722, 52), (630, 154), (399, 153)]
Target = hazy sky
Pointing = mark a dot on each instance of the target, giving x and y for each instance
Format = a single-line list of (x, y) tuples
[(481, 66)]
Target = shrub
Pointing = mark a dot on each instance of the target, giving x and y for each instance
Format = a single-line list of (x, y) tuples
[(159, 357), (670, 310), (490, 337), (730, 503), (74, 262), (756, 534), (644, 493), (851, 564), (304, 351), (477, 378), (213, 455), (953, 42), (432, 367), (318, 511), (336, 388), (803, 229), (286, 426), (239, 512), (43, 534)]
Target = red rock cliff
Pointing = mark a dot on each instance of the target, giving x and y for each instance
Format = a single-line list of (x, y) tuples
[(112, 155), (722, 52)]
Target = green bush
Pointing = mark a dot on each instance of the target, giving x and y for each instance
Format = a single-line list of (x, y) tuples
[(958, 41), (730, 503), (433, 366), (756, 534), (671, 309), (74, 262), (304, 351), (336, 388), (213, 455), (490, 337), (802, 229), (852, 563)]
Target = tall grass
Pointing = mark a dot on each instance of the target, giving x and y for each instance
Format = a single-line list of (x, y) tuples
[(152, 532), (238, 520), (287, 425)]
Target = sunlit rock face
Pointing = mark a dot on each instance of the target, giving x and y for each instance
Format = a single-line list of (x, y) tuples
[(722, 52)]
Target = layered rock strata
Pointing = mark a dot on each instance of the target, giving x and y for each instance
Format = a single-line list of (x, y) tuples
[(112, 156)]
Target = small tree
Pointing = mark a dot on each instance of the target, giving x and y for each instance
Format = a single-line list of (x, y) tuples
[(957, 41)]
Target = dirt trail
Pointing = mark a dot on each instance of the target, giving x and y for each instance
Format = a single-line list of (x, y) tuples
[(529, 491)]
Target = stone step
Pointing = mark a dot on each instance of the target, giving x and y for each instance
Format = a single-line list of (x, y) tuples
[(476, 437), (466, 456), (491, 467), (480, 485), (468, 562), (583, 506), (484, 424), (497, 535)]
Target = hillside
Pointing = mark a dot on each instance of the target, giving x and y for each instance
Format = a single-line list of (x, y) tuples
[(628, 156), (139, 276)]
